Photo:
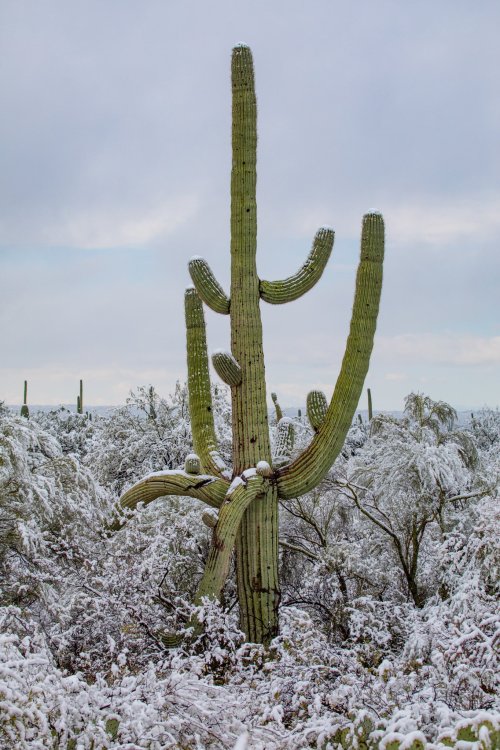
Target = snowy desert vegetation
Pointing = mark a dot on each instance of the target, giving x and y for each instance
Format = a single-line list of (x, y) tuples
[(389, 624)]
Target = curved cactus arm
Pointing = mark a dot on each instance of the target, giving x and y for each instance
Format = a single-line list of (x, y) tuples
[(317, 406), (200, 396), (311, 466), (211, 490), (244, 490), (226, 367), (207, 286), (279, 292), (284, 442)]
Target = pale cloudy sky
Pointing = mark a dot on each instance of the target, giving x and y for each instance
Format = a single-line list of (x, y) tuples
[(115, 165)]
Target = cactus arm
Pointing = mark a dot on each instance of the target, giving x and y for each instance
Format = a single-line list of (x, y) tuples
[(207, 286), (243, 491), (226, 368), (317, 406), (200, 397), (311, 466), (211, 490), (283, 445), (279, 292)]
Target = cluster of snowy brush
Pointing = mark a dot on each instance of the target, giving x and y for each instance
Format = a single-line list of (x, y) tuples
[(389, 629)]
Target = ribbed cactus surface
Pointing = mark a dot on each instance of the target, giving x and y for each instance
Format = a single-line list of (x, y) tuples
[(247, 494)]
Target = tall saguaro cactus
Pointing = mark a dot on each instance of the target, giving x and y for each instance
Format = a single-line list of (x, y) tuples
[(247, 495)]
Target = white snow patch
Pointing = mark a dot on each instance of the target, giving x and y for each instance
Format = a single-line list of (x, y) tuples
[(238, 481), (241, 742)]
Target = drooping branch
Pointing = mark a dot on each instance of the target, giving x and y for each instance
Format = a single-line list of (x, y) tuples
[(286, 290), (226, 367), (311, 466), (207, 286)]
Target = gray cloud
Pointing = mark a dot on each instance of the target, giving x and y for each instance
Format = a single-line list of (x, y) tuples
[(116, 161)]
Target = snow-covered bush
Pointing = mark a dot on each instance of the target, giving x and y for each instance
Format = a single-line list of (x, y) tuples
[(149, 434), (85, 613)]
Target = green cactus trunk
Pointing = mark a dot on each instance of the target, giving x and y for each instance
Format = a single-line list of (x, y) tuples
[(245, 501), (257, 540)]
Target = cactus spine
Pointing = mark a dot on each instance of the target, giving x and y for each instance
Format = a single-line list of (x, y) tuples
[(247, 497), (25, 412)]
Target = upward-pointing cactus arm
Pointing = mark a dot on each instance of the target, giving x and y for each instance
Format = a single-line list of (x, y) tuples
[(207, 286), (311, 466), (200, 397), (279, 292), (317, 407)]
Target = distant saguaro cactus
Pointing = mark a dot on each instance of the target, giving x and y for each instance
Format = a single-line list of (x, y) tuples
[(277, 407), (25, 412), (79, 400), (246, 496)]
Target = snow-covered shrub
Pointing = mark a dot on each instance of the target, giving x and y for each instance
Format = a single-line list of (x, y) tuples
[(149, 434), (83, 661), (48, 502), (73, 432)]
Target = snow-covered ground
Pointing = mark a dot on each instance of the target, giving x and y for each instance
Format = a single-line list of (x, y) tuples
[(389, 627)]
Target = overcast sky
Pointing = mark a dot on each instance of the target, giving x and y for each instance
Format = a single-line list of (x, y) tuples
[(115, 166)]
